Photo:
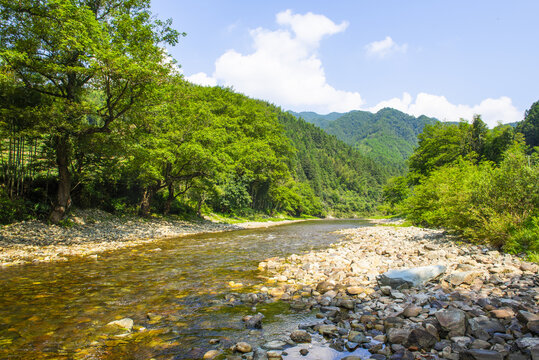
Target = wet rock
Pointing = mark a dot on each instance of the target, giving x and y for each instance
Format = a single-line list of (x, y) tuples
[(211, 354), (303, 352), (478, 354), (275, 345), (410, 277), (301, 336), (452, 321), (125, 323), (243, 347), (357, 337), (275, 355), (254, 321), (328, 330)]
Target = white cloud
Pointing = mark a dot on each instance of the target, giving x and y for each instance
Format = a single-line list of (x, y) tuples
[(384, 48), (492, 111), (284, 67), (202, 79)]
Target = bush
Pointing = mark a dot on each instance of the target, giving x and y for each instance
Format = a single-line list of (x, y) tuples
[(483, 202)]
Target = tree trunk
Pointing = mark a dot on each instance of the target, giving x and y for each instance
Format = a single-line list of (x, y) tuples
[(199, 206), (63, 199), (145, 203), (170, 199)]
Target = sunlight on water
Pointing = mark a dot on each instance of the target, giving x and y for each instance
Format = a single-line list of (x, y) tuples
[(176, 289)]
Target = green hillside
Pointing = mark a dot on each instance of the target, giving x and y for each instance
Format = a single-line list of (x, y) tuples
[(346, 180), (388, 136)]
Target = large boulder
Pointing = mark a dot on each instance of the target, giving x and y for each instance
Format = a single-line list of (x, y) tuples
[(406, 278)]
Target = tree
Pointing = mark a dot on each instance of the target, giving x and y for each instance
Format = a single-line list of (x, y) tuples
[(66, 50), (439, 144), (529, 127)]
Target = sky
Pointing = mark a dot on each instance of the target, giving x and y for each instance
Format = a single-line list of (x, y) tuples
[(446, 59)]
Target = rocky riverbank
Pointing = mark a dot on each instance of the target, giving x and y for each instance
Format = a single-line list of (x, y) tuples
[(402, 293), (90, 232)]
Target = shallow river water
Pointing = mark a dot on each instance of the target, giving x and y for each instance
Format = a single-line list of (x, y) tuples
[(176, 288)]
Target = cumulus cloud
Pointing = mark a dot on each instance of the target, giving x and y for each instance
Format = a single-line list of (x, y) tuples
[(202, 79), (384, 48), (492, 111), (284, 67)]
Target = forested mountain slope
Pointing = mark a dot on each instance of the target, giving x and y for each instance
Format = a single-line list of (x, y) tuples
[(346, 180), (388, 136)]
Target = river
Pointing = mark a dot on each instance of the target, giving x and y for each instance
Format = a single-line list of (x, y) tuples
[(178, 289)]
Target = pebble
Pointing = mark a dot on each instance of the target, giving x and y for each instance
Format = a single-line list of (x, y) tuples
[(473, 303)]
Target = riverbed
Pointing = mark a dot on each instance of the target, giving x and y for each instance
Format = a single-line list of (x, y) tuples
[(181, 293)]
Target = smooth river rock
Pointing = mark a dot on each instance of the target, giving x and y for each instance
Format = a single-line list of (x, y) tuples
[(125, 323), (405, 278)]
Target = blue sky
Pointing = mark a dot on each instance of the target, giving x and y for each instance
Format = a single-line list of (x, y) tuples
[(449, 59)]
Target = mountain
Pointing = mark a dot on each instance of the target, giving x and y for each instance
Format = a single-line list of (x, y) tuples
[(322, 121), (346, 180), (388, 136)]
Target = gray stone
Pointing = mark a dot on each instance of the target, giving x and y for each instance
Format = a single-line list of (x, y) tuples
[(421, 338), (357, 337), (275, 345), (453, 321), (328, 330), (300, 336), (412, 277), (397, 336), (483, 327), (478, 354), (254, 322)]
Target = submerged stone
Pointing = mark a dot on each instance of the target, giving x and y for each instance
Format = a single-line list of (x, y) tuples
[(125, 323)]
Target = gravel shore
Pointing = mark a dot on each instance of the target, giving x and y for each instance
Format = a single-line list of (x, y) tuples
[(469, 302), (89, 232)]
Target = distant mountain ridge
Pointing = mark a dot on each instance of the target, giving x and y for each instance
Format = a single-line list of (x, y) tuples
[(388, 136)]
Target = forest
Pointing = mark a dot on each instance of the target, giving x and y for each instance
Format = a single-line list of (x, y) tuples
[(96, 114), (480, 183)]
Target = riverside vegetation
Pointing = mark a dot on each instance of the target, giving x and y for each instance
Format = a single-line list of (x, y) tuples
[(95, 114)]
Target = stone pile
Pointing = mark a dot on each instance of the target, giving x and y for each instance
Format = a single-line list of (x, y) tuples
[(410, 293)]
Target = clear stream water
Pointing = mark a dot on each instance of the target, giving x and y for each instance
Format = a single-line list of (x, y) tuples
[(60, 310)]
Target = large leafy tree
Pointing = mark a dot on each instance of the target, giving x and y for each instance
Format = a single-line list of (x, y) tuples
[(67, 50), (530, 126)]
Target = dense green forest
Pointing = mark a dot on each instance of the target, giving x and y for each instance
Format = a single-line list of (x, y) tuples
[(95, 114), (388, 136), (481, 183)]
